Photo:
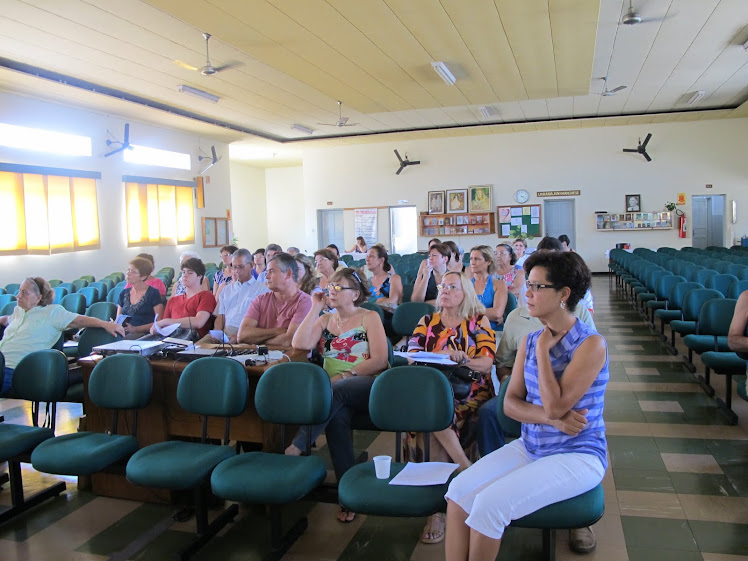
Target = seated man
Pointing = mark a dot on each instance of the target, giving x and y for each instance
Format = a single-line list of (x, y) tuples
[(270, 252), (273, 317), (235, 298)]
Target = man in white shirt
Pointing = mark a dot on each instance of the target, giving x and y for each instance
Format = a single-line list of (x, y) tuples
[(236, 297)]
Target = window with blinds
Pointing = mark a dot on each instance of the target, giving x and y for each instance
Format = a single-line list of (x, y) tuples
[(47, 213), (159, 214)]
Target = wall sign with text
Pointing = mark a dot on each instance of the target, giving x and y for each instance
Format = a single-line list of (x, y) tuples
[(571, 193)]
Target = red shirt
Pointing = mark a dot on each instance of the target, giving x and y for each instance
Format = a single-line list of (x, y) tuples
[(270, 313), (181, 307)]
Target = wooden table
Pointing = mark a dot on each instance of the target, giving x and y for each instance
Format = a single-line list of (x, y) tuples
[(163, 419)]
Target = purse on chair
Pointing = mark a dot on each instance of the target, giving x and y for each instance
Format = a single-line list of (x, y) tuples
[(460, 377)]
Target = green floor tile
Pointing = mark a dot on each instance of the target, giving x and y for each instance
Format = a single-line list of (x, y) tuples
[(703, 484), (720, 537), (643, 554), (665, 417), (681, 445), (738, 476), (621, 401), (384, 538), (658, 533), (729, 452), (624, 416), (643, 480)]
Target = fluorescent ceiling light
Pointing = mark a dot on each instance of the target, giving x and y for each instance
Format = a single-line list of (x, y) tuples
[(40, 140), (488, 111), (695, 97), (148, 156), (302, 128), (444, 73), (198, 93)]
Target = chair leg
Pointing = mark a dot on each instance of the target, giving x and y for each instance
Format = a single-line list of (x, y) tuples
[(206, 531), (549, 544), (727, 403), (281, 542), (21, 504), (705, 383)]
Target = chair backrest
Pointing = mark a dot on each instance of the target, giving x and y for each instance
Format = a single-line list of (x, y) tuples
[(121, 381), (109, 282), (407, 291), (509, 426), (715, 316), (93, 337), (736, 269), (654, 276), (511, 304), (60, 293), (411, 398), (41, 376), (703, 275), (102, 287), (69, 286), (90, 294), (213, 386), (80, 283), (12, 288), (54, 282), (694, 299), (375, 308), (347, 259), (678, 292), (408, 314), (102, 310), (113, 295), (8, 308), (721, 282), (88, 278), (120, 277), (309, 402), (737, 288), (5, 298), (665, 284), (75, 303)]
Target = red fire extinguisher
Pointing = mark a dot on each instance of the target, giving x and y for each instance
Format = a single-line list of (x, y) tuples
[(681, 223)]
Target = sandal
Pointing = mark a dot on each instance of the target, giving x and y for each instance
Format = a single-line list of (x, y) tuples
[(345, 516), (433, 531)]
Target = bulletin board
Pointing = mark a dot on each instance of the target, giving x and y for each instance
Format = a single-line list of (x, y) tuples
[(513, 220)]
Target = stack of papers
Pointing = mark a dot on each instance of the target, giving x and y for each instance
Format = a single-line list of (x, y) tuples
[(424, 473), (423, 356)]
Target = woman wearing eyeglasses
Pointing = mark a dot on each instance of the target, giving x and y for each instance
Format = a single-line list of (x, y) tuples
[(424, 289), (508, 270), (557, 392), (258, 258), (353, 346), (224, 275), (326, 262), (140, 302), (458, 328), (491, 292)]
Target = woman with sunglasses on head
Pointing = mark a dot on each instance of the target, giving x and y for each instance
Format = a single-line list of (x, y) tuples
[(508, 270), (458, 328), (353, 346), (491, 292), (430, 276), (557, 392)]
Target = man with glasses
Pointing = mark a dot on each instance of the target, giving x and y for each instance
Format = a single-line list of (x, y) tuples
[(273, 317), (235, 298)]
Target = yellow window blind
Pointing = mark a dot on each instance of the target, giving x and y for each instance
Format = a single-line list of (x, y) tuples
[(159, 214)]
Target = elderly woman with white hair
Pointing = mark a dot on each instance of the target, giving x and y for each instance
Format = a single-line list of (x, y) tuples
[(179, 286)]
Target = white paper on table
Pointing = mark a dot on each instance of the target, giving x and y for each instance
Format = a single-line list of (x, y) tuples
[(121, 319), (219, 335), (166, 330), (424, 473), (423, 356)]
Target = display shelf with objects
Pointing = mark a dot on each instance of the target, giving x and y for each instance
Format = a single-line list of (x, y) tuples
[(456, 224), (634, 221)]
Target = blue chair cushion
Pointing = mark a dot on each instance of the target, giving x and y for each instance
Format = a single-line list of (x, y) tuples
[(263, 478), (359, 490), (668, 315), (656, 304), (704, 343), (722, 363), (684, 327), (82, 453), (577, 512), (18, 439), (175, 464)]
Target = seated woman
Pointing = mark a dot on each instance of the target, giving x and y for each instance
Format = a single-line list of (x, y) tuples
[(455, 262), (221, 275), (179, 286), (386, 287), (557, 393), (37, 324), (460, 329), (155, 282), (193, 309), (260, 265), (508, 270), (326, 262), (308, 282), (142, 303), (354, 348), (359, 247), (430, 276), (491, 292)]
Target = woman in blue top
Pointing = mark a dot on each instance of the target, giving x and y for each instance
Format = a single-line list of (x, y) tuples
[(491, 292), (557, 394)]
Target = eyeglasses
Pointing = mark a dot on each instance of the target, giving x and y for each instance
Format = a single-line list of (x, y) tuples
[(320, 259), (534, 286), (132, 272), (448, 287), (501, 253), (338, 288), (238, 267)]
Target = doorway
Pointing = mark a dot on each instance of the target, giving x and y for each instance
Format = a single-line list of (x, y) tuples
[(330, 228), (559, 219), (708, 224), (403, 230)]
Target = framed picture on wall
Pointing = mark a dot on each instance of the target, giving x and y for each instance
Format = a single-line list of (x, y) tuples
[(480, 198), (633, 203), (222, 232), (209, 232), (457, 200), (436, 202)]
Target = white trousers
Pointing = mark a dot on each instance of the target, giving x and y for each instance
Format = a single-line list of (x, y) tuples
[(508, 484)]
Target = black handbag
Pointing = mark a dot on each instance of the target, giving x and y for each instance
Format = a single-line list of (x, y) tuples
[(461, 378)]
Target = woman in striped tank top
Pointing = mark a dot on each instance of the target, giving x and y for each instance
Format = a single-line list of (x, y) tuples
[(557, 394)]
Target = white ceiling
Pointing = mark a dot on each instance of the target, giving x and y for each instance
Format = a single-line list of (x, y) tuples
[(538, 63)]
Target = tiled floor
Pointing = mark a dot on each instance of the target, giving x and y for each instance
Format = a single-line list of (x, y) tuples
[(677, 487)]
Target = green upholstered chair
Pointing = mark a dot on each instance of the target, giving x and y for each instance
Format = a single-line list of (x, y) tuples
[(41, 376), (69, 286), (674, 303), (692, 303), (102, 310), (737, 288), (347, 259), (663, 286), (373, 306), (91, 295), (511, 304), (703, 275), (60, 293), (209, 387), (109, 282), (713, 325), (722, 282), (12, 288), (118, 276), (509, 426), (8, 308), (88, 278), (92, 337), (275, 479), (404, 398), (113, 295), (75, 303), (5, 298), (118, 383), (727, 364), (79, 283), (406, 318), (102, 287), (407, 291), (54, 282)]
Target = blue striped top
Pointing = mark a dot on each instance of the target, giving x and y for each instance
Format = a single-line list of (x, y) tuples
[(544, 440)]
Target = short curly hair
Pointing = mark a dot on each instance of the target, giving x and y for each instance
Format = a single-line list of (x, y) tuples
[(565, 269)]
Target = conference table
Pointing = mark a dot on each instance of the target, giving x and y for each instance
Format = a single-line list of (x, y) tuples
[(163, 419)]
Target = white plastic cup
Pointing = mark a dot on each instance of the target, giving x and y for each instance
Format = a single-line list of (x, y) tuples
[(382, 466)]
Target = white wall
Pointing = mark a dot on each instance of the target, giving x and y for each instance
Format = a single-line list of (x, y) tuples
[(686, 157), (114, 253), (249, 206), (285, 203)]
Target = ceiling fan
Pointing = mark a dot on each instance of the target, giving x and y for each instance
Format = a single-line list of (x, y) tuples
[(342, 121), (124, 145), (208, 69), (632, 17), (214, 159), (642, 148), (606, 92), (404, 162)]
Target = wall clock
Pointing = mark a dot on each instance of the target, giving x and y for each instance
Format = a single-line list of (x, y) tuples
[(521, 196)]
